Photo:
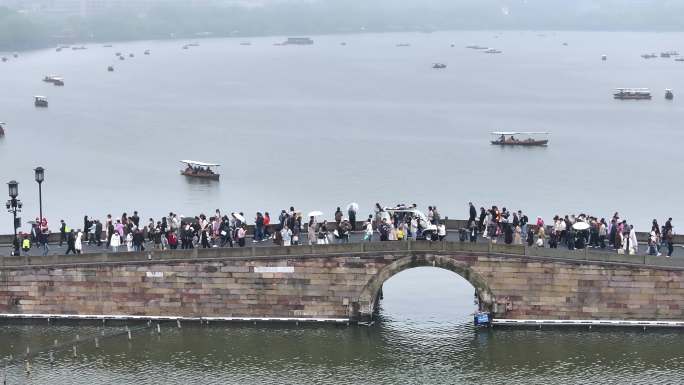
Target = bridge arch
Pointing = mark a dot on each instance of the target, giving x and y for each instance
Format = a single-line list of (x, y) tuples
[(368, 299)]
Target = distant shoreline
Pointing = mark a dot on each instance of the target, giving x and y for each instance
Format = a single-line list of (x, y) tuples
[(55, 43)]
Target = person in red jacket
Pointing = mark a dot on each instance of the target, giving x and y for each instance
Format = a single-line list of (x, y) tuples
[(267, 222)]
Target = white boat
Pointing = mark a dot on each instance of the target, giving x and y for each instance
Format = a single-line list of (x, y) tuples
[(198, 169), (56, 80), (492, 51)]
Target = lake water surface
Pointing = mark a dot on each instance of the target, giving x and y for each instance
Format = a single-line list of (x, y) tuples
[(319, 126)]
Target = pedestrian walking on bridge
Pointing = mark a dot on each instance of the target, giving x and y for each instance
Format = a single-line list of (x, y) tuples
[(71, 242), (62, 232)]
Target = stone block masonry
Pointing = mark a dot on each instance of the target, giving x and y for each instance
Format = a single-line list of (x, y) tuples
[(336, 281)]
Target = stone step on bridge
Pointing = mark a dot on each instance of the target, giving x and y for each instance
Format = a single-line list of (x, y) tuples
[(338, 282)]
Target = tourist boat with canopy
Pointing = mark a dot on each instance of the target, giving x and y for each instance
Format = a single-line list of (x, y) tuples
[(632, 94), (513, 138), (199, 169)]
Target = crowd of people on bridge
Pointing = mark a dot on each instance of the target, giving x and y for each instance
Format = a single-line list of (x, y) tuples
[(572, 231), (397, 223)]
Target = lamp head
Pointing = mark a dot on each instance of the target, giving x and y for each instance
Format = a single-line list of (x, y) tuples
[(40, 174), (13, 187)]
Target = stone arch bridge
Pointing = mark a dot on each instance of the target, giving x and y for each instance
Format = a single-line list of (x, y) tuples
[(339, 282)]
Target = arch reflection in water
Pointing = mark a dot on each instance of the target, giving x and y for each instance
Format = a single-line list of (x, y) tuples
[(427, 294)]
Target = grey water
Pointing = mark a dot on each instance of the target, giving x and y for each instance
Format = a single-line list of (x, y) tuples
[(424, 336), (320, 126)]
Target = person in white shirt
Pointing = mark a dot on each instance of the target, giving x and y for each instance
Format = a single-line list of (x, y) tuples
[(369, 231), (115, 242), (286, 234), (441, 231)]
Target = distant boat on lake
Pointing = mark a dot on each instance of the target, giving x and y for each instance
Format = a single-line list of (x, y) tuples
[(298, 41), (530, 140), (56, 80), (40, 101), (632, 94), (669, 95)]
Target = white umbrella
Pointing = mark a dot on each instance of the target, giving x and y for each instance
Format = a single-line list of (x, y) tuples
[(353, 206), (238, 217), (315, 214), (580, 226)]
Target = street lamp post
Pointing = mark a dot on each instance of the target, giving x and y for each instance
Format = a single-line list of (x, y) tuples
[(40, 177), (13, 206)]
